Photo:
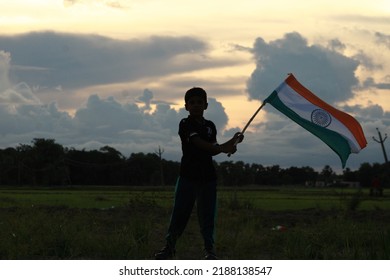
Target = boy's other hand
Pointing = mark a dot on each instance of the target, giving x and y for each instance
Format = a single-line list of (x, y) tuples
[(228, 147), (238, 137)]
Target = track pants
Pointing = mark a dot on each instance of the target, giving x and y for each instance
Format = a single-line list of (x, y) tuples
[(186, 193)]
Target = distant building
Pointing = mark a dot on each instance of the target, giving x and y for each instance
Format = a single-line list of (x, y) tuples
[(350, 184), (316, 184), (323, 184)]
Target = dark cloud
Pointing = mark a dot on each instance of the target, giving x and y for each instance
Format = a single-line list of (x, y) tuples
[(5, 59), (366, 61), (328, 73), (107, 116), (216, 113), (369, 113), (74, 61), (146, 98), (371, 83), (336, 45), (383, 39)]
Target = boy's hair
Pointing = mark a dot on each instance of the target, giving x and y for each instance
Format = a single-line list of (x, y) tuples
[(195, 91)]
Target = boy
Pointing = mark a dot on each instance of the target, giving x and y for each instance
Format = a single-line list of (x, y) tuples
[(197, 180)]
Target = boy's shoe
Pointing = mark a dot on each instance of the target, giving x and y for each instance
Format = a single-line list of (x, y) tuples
[(209, 254), (165, 253)]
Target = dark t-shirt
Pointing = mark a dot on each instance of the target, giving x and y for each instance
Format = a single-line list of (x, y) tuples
[(196, 164)]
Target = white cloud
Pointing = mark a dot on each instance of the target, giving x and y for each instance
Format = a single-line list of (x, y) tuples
[(115, 4)]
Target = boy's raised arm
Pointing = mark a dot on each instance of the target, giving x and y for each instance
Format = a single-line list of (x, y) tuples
[(215, 149)]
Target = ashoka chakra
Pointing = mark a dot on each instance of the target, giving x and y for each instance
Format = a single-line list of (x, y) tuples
[(321, 117)]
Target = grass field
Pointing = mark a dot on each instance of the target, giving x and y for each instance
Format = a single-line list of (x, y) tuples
[(130, 223)]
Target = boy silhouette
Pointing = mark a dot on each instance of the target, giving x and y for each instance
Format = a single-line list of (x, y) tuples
[(198, 179)]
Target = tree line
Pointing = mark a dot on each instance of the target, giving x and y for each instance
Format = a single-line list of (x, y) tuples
[(47, 163)]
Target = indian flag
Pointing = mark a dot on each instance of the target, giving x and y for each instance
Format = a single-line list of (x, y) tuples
[(340, 131)]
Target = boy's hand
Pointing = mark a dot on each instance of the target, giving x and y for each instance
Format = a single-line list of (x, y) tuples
[(238, 137), (229, 148)]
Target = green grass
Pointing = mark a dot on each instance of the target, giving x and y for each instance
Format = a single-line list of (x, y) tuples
[(130, 223), (92, 198), (289, 198), (277, 199)]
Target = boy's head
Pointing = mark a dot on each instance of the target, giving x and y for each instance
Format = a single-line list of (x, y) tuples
[(196, 101), (195, 91)]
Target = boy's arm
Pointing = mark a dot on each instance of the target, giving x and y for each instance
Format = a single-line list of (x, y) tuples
[(214, 148)]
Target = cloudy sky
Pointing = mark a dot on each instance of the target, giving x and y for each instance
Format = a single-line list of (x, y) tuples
[(90, 73)]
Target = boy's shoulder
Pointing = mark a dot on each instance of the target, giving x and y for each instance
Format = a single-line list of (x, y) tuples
[(188, 120), (187, 125), (209, 123), (184, 120)]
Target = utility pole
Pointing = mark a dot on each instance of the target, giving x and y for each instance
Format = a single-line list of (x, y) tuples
[(159, 153), (381, 141)]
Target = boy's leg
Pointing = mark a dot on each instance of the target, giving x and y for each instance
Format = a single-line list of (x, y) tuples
[(207, 208), (184, 202)]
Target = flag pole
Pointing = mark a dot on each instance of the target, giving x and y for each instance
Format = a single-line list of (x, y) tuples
[(248, 123)]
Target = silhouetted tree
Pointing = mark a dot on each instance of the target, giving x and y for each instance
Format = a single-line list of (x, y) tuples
[(46, 162), (327, 175), (143, 169)]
